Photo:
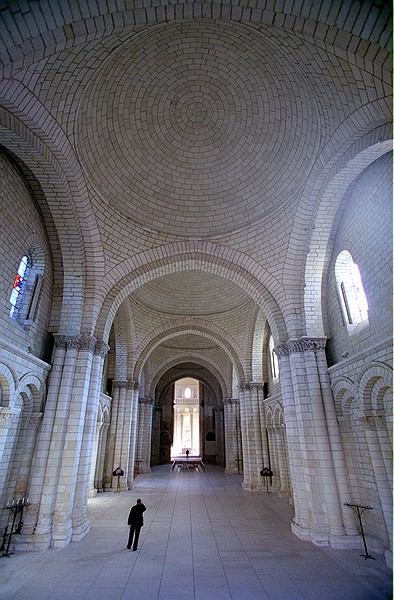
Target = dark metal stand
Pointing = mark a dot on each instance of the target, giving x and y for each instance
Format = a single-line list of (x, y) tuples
[(267, 473), (359, 509), (16, 507), (118, 473)]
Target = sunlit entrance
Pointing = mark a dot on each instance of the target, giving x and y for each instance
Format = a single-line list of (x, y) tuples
[(186, 439)]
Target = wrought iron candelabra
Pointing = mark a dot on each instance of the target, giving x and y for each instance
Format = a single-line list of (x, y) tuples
[(16, 506), (359, 509)]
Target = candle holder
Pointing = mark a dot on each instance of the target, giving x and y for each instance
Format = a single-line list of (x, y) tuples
[(16, 506), (359, 509)]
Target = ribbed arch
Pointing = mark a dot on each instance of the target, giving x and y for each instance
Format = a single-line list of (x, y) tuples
[(195, 358), (259, 334), (331, 185), (213, 333), (33, 389), (77, 23), (278, 414), (345, 394), (200, 378), (8, 384), (374, 384), (183, 256), (123, 332), (42, 146)]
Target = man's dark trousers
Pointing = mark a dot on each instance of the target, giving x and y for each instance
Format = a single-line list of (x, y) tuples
[(134, 532)]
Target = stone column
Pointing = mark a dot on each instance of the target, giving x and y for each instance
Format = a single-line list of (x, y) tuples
[(274, 458), (54, 480), (9, 418), (73, 471), (134, 394), (121, 424), (219, 437), (156, 418), (282, 466), (231, 435), (145, 410), (375, 425), (80, 522), (255, 450), (109, 461), (318, 513), (29, 425), (102, 445), (44, 477), (97, 436)]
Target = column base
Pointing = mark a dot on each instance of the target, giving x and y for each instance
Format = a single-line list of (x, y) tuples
[(231, 470), (336, 541), (61, 534), (80, 531), (31, 542)]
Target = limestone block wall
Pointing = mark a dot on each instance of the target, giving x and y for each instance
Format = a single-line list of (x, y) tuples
[(364, 228), (23, 375), (361, 360), (21, 232), (362, 387)]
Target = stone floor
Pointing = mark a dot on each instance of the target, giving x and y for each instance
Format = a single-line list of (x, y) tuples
[(205, 538)]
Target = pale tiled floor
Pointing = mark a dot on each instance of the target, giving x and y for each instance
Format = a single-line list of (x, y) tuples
[(205, 538)]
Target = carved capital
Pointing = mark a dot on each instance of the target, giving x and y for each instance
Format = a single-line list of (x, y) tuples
[(303, 344), (31, 422), (7, 415), (83, 342), (120, 384), (101, 348), (250, 386), (373, 422), (230, 401), (148, 401)]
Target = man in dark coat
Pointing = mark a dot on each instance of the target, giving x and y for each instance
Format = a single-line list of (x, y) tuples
[(135, 521)]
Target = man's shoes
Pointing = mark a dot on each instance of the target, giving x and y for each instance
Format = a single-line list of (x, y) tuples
[(134, 549), (128, 547)]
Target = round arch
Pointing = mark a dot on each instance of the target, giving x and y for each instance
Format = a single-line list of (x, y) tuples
[(8, 384), (33, 389), (375, 384), (189, 358), (218, 260), (36, 143), (77, 29), (213, 333), (332, 185)]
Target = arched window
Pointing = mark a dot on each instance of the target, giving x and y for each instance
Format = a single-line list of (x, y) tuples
[(26, 289), (188, 392), (273, 359), (19, 286), (354, 303)]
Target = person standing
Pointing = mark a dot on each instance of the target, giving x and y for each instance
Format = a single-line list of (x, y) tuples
[(135, 522)]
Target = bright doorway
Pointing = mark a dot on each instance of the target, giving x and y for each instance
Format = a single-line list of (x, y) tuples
[(186, 439)]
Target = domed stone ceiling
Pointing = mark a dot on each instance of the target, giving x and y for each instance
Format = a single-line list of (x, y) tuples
[(190, 293), (189, 128)]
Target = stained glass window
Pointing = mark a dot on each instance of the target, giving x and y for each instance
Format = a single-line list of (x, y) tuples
[(19, 284)]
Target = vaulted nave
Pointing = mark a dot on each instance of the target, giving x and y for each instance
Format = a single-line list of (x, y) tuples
[(196, 268)]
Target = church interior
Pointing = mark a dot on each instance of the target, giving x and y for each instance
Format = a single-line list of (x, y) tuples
[(196, 259)]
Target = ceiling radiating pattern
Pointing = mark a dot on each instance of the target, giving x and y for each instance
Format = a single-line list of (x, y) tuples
[(187, 129)]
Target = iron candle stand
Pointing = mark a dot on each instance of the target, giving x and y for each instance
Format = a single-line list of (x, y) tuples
[(359, 509), (16, 507)]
